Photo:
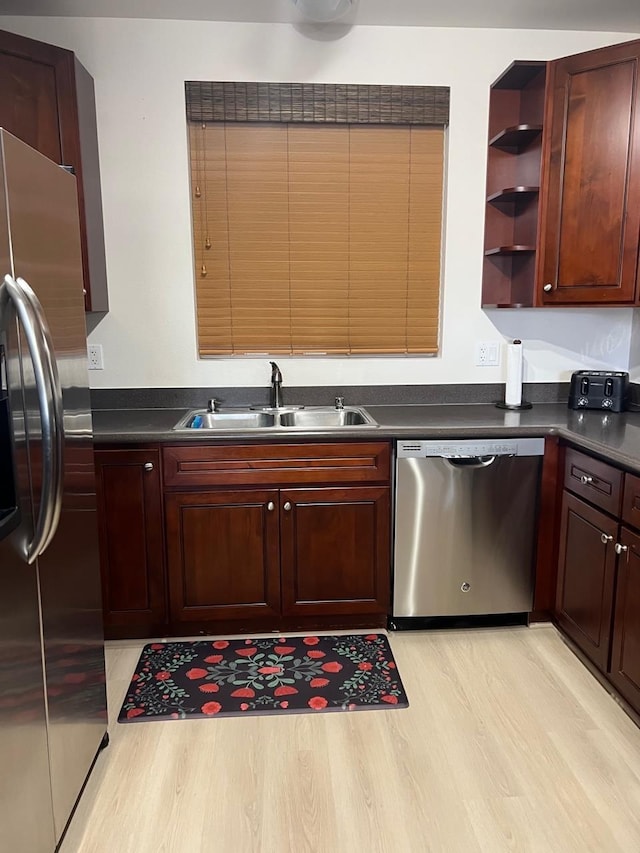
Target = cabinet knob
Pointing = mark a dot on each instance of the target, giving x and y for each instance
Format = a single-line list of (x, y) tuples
[(548, 287), (586, 479), (271, 506), (287, 506), (620, 549), (148, 466), (604, 538)]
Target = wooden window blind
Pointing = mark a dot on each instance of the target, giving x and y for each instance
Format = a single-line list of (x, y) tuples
[(316, 239)]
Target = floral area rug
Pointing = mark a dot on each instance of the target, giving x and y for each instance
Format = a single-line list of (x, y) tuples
[(205, 678)]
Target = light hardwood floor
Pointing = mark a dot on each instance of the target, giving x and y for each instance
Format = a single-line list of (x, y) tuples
[(509, 744)]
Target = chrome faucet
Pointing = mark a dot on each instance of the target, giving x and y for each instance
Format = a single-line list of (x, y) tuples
[(276, 386)]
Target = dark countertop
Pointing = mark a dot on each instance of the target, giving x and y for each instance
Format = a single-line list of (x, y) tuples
[(615, 437)]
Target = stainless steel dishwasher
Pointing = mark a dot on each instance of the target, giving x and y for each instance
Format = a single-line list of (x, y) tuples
[(465, 520)]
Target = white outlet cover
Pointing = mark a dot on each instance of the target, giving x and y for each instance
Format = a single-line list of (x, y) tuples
[(95, 357)]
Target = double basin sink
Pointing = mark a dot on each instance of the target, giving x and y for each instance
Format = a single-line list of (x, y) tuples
[(285, 418)]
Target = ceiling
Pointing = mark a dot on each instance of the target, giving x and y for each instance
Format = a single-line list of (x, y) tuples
[(601, 15)]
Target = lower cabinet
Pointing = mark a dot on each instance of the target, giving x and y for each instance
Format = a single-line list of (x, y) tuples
[(129, 498), (625, 651), (240, 555), (598, 587), (223, 552), (335, 550), (585, 577), (256, 537)]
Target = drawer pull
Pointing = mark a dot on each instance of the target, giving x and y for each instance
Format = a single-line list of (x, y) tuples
[(287, 506), (271, 506), (586, 479), (148, 466), (620, 549), (605, 539)]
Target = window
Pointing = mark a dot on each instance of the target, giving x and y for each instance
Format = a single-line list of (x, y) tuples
[(315, 238)]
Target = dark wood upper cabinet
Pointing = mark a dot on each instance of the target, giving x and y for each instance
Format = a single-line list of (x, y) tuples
[(591, 195), (47, 100), (562, 221)]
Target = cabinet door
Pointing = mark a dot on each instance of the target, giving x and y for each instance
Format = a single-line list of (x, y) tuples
[(335, 550), (223, 555), (131, 542), (591, 206), (625, 654), (47, 100), (586, 569)]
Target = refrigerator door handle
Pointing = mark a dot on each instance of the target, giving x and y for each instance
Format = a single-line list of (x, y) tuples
[(41, 351)]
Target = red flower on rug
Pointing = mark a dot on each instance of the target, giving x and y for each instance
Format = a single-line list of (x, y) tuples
[(285, 690), (196, 673), (332, 666), (317, 703), (211, 708), (311, 641), (244, 693)]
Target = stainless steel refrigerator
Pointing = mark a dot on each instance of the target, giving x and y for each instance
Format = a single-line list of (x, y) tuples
[(53, 716)]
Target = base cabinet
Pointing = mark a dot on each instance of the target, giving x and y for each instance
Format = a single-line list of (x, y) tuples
[(223, 553), (131, 542), (625, 653), (585, 577), (277, 537), (335, 550), (598, 588)]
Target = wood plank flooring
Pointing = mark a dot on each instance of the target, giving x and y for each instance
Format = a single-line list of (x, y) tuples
[(509, 745)]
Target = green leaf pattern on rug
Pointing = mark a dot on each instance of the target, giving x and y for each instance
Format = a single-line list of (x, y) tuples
[(260, 670)]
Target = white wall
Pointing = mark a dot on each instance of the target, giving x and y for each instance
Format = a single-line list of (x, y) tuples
[(139, 69)]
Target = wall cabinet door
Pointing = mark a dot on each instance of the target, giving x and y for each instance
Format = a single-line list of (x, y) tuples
[(47, 100), (131, 542), (591, 197), (625, 656), (335, 550), (586, 570), (223, 554)]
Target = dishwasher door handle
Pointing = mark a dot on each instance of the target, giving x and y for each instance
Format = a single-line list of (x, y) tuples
[(470, 461)]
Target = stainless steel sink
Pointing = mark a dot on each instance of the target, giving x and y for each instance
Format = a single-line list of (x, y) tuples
[(315, 418), (240, 420)]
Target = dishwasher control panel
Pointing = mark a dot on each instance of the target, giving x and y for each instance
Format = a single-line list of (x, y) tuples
[(416, 448)]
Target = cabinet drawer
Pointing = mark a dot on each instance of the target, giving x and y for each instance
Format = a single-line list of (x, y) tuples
[(281, 464), (595, 481), (631, 501)]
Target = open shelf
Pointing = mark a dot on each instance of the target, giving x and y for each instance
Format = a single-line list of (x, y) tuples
[(517, 137), (516, 114), (509, 250), (517, 194), (519, 74)]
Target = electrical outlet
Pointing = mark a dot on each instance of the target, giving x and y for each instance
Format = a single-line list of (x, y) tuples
[(487, 354), (94, 353)]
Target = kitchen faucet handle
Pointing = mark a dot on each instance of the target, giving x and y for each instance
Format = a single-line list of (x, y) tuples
[(212, 405), (339, 402)]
